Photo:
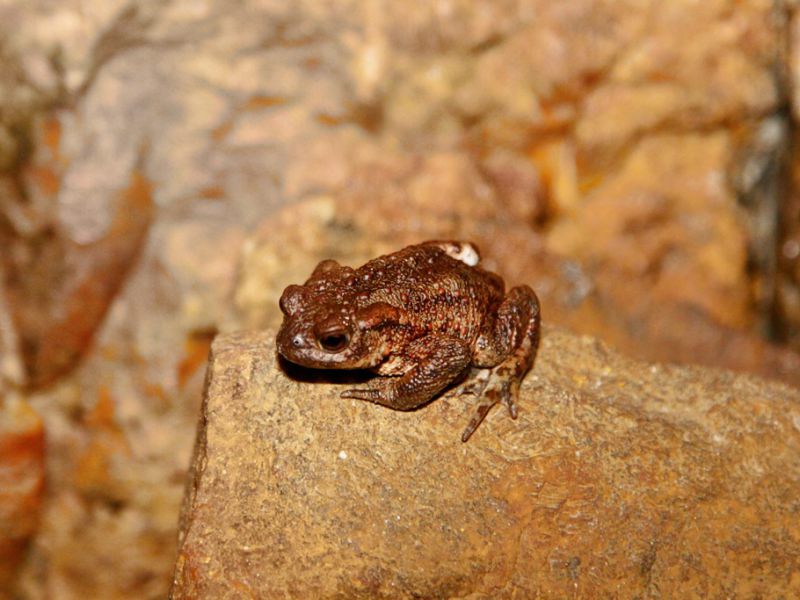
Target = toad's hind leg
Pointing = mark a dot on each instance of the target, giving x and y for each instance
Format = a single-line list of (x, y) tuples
[(508, 346)]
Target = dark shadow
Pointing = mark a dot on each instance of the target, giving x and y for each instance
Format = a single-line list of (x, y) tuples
[(359, 377), (335, 376)]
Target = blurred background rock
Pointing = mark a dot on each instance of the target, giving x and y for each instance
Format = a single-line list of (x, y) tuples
[(166, 168)]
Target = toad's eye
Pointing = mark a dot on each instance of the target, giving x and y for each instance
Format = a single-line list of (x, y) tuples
[(334, 341)]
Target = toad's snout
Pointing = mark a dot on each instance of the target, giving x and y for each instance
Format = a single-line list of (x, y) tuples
[(291, 341)]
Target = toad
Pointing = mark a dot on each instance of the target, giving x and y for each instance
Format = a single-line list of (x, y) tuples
[(420, 318)]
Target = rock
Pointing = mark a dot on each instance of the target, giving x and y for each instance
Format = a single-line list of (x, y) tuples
[(619, 479), (21, 483), (60, 281), (666, 217)]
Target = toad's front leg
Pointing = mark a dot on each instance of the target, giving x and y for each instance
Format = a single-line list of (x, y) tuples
[(436, 361)]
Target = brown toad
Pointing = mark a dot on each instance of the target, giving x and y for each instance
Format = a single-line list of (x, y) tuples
[(421, 317)]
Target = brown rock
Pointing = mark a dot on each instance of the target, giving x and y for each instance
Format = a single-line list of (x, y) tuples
[(59, 285), (666, 218), (619, 479), (21, 483)]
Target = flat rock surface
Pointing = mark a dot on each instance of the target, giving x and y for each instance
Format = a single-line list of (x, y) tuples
[(619, 479)]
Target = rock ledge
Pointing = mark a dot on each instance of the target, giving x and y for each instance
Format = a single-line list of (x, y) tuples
[(620, 479)]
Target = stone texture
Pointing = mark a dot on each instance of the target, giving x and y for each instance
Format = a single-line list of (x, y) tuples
[(620, 478)]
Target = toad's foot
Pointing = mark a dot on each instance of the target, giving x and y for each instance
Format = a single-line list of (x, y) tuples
[(498, 386), (475, 383)]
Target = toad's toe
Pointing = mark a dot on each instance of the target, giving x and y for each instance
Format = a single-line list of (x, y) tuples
[(371, 394)]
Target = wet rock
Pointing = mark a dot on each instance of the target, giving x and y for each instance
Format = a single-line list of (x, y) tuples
[(21, 483), (618, 478)]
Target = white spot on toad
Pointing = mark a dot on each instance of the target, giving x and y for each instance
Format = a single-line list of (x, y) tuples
[(463, 251)]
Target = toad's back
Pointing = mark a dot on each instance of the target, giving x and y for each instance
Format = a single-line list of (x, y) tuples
[(438, 292)]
